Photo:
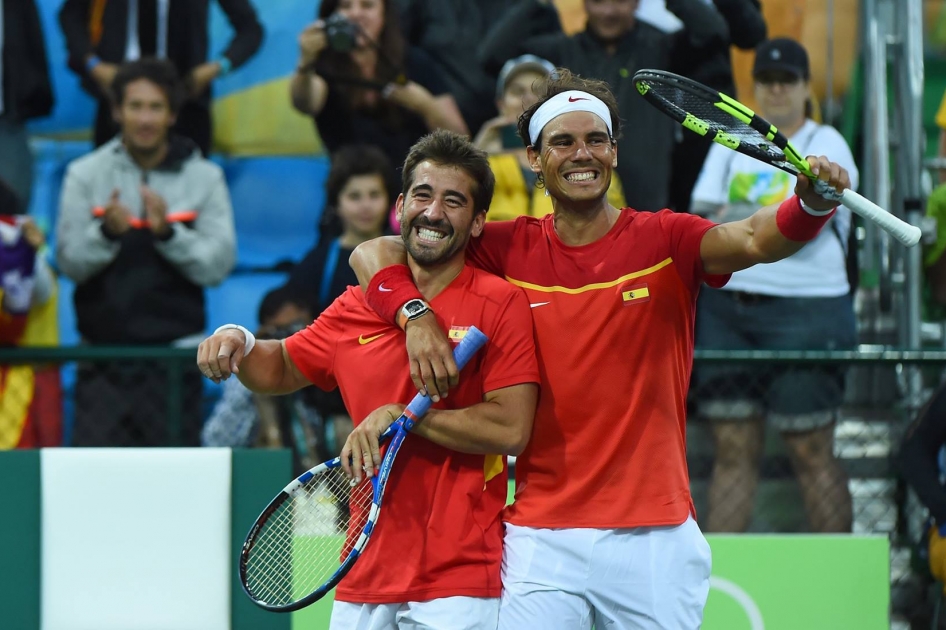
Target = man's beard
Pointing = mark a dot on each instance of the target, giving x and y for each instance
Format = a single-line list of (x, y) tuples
[(426, 257)]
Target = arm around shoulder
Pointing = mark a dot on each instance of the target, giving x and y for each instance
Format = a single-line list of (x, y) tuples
[(372, 256)]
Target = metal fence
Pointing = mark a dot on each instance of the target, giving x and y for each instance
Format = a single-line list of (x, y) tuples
[(865, 393)]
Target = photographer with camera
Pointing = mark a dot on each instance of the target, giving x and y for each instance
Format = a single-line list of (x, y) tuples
[(518, 191), (362, 83)]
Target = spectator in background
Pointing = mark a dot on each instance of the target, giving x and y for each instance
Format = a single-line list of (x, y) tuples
[(712, 68), (30, 395), (363, 84), (612, 48), (934, 260), (358, 193), (242, 419), (449, 31), (941, 146), (517, 192), (100, 35), (920, 465), (803, 302), (25, 93), (145, 223)]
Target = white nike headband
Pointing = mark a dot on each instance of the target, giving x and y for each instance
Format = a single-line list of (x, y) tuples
[(571, 101)]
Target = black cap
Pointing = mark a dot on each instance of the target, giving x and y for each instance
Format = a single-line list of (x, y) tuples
[(782, 54)]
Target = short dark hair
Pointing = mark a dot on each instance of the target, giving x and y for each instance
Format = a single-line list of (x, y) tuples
[(351, 161), (447, 148), (276, 299), (564, 80), (159, 71)]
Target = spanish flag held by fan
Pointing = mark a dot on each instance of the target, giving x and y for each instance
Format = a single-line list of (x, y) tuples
[(30, 395)]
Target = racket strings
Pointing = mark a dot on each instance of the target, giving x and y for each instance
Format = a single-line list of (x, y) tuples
[(751, 142), (305, 540)]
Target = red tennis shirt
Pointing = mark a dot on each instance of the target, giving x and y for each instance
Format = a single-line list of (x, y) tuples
[(440, 532), (614, 333)]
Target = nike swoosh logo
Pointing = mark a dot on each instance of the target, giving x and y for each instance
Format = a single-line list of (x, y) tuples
[(572, 99), (538, 304), (363, 340), (381, 288)]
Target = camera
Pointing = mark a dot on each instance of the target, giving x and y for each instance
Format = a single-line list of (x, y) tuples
[(340, 32)]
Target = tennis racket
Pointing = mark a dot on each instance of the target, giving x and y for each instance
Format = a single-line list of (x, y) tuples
[(309, 536), (728, 122)]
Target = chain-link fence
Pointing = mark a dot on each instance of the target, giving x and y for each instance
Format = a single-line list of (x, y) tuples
[(808, 441), (777, 441)]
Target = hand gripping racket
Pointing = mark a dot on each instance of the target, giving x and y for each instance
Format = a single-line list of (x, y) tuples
[(728, 122), (309, 536)]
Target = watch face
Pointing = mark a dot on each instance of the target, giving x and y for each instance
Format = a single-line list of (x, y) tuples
[(414, 307)]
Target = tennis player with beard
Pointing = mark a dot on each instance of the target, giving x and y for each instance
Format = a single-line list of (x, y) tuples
[(602, 531), (434, 559)]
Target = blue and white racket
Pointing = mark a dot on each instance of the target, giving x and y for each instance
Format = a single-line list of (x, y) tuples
[(309, 537)]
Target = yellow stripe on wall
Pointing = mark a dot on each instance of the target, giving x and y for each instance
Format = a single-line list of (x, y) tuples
[(591, 287), (241, 129)]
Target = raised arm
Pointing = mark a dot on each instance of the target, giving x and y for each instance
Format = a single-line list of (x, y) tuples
[(372, 256), (381, 267), (774, 232), (247, 31), (307, 89)]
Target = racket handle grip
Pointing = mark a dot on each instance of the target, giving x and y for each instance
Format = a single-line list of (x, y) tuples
[(907, 234), (468, 346)]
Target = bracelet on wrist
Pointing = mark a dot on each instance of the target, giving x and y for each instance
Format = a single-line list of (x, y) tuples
[(250, 337)]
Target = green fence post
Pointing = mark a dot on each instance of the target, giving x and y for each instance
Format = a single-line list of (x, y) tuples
[(175, 400)]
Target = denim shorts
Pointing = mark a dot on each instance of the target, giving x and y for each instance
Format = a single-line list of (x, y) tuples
[(794, 397)]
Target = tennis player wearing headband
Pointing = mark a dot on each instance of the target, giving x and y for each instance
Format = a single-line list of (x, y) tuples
[(602, 531)]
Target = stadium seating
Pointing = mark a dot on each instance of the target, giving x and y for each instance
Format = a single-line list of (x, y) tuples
[(237, 299), (277, 202)]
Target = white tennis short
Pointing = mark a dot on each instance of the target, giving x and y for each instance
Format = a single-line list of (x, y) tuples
[(445, 613), (646, 578)]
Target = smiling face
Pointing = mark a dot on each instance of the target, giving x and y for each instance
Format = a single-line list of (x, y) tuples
[(575, 157), (368, 15), (437, 214), (145, 117)]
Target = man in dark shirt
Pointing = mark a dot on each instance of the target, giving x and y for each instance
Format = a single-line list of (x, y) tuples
[(101, 35), (450, 31), (920, 467), (612, 48)]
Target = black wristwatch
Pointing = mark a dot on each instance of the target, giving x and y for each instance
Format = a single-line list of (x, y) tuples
[(413, 309)]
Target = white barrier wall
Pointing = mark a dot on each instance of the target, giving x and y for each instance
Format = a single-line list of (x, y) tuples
[(136, 539)]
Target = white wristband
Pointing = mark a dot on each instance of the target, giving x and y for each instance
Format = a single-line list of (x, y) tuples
[(250, 337), (813, 212)]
